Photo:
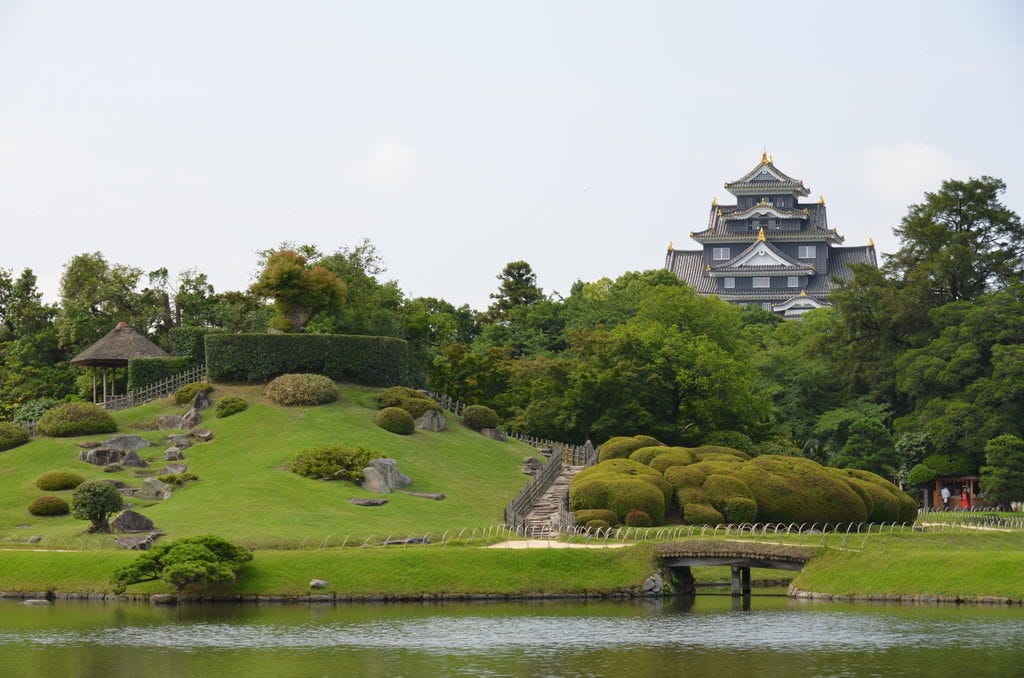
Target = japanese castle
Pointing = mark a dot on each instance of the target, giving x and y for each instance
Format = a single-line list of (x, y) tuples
[(769, 248)]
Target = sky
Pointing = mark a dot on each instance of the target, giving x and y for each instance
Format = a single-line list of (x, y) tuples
[(582, 137)]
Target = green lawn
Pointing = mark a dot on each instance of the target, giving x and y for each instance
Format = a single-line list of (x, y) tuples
[(246, 494)]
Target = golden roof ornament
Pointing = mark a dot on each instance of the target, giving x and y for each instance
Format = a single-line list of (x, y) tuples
[(714, 201), (803, 293), (871, 242), (760, 235), (671, 246), (764, 157), (708, 268), (821, 199)]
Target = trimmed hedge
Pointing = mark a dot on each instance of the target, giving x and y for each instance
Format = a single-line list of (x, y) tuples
[(673, 456), (187, 393), (143, 372), (797, 490), (719, 453), (375, 361), (76, 419), (12, 435), (478, 417), (395, 420), (190, 342), (55, 481), (337, 462), (645, 455), (584, 516), (627, 494), (225, 407), (614, 466), (49, 506), (702, 514), (692, 495), (293, 390)]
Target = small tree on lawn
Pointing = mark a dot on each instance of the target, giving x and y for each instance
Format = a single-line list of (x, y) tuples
[(96, 501), (193, 560)]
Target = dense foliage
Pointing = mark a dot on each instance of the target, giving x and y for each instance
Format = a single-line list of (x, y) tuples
[(96, 501), (76, 419), (143, 372), (334, 462), (395, 420), (192, 561), (302, 389), (12, 435)]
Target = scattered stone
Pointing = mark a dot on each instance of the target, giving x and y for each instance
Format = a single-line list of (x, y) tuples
[(495, 434), (112, 468), (132, 460), (131, 521), (367, 502), (383, 476), (317, 584), (163, 599), (34, 539), (33, 602), (169, 422), (116, 483), (546, 451), (180, 440), (126, 443), (531, 465), (139, 542), (424, 495), (653, 585), (407, 540), (172, 469), (203, 435), (101, 456), (127, 491), (202, 400), (190, 419), (89, 444), (173, 453), (431, 420), (154, 489)]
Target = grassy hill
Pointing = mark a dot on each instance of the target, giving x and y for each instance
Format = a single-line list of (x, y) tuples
[(246, 493)]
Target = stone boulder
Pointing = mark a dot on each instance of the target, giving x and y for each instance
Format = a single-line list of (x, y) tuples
[(530, 465), (126, 443), (139, 542), (202, 435), (131, 521), (154, 489), (101, 456), (174, 454), (173, 469), (359, 501), (169, 422), (317, 583), (180, 440), (133, 460), (202, 400), (495, 434), (383, 476), (112, 468), (190, 419), (431, 420)]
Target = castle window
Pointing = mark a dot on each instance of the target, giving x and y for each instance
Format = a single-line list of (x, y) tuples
[(762, 282), (729, 283), (720, 253), (806, 252), (792, 281), (766, 305)]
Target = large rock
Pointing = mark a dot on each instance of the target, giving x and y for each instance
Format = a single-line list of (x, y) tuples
[(180, 440), (131, 521), (431, 420), (126, 443), (383, 476), (169, 422), (139, 542), (202, 400), (133, 460), (361, 501), (154, 489), (203, 435), (173, 469), (101, 456), (190, 419), (174, 454), (495, 434)]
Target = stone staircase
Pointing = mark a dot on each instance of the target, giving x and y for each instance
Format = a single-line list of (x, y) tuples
[(542, 520)]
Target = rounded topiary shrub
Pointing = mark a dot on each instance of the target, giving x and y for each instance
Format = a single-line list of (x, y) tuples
[(76, 419), (302, 389), (49, 506), (739, 510), (479, 417), (685, 476), (336, 462), (186, 393), (409, 399), (638, 518), (628, 494), (597, 524), (12, 435), (726, 438), (672, 456), (702, 514), (225, 407), (56, 481), (585, 516), (719, 453), (395, 420), (691, 495), (591, 493), (621, 447), (645, 455)]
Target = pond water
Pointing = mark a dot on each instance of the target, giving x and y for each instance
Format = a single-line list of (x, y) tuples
[(777, 637)]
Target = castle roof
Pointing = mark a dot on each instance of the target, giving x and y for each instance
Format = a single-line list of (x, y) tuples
[(766, 178)]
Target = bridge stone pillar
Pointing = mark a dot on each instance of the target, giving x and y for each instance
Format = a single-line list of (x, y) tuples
[(682, 581), (740, 580)]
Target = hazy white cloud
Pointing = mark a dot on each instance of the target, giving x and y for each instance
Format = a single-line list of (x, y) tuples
[(390, 165), (900, 174)]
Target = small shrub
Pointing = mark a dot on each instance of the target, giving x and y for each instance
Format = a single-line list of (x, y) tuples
[(627, 494), (55, 481), (604, 515), (597, 524), (692, 495), (478, 417), (302, 389), (645, 455), (185, 394), (178, 478), (409, 399), (337, 462), (395, 420), (76, 419), (590, 494), (621, 447), (702, 514), (225, 407), (739, 510), (673, 456), (638, 518), (12, 435), (49, 506), (685, 476)]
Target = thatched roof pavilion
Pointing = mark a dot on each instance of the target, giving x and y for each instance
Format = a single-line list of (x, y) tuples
[(114, 350)]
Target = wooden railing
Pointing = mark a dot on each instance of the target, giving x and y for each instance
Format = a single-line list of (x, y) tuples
[(154, 391)]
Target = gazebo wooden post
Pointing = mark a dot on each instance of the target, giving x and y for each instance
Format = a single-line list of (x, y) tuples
[(93, 370)]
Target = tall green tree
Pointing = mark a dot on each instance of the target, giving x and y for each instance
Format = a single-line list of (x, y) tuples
[(1002, 477), (517, 288), (299, 289)]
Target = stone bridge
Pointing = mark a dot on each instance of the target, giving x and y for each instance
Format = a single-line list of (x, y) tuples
[(679, 557)]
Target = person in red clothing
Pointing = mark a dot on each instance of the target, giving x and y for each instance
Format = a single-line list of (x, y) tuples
[(965, 499)]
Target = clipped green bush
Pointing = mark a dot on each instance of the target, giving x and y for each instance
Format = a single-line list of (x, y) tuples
[(731, 439), (409, 399), (375, 361), (638, 518), (691, 495), (661, 485), (586, 515), (478, 417), (626, 467), (626, 494), (920, 475), (49, 506), (720, 487), (395, 420), (884, 501), (685, 476), (597, 524), (185, 394), (590, 494), (645, 455), (177, 478), (12, 435), (719, 453), (620, 447), (55, 481), (228, 406), (739, 510), (673, 456), (702, 514), (76, 419), (798, 490), (335, 462), (293, 390), (190, 342)]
